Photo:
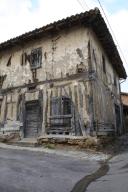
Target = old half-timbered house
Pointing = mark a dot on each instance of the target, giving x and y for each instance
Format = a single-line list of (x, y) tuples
[(62, 79)]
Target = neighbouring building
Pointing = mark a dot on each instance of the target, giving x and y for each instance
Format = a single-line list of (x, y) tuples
[(124, 98), (62, 79)]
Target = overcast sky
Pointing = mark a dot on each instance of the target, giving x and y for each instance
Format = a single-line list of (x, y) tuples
[(20, 16)]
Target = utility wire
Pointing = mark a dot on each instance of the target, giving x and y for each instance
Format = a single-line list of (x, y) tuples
[(80, 3), (112, 31), (86, 5)]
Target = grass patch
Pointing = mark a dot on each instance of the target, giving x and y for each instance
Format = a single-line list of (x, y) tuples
[(49, 146)]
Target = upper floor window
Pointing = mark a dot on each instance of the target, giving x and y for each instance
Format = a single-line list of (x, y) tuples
[(36, 58), (104, 64)]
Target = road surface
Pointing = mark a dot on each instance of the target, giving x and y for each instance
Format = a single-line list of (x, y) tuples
[(116, 179), (34, 171)]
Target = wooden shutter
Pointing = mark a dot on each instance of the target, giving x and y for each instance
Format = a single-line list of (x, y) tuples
[(36, 58)]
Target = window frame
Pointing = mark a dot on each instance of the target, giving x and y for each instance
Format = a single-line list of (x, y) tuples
[(61, 110), (60, 119)]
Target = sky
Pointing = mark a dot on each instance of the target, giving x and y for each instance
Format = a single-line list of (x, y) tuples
[(20, 16)]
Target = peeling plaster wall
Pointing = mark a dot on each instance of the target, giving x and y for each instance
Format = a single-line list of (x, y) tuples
[(105, 95), (107, 79), (60, 57)]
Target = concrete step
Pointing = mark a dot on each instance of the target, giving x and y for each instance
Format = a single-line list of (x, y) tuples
[(64, 139)]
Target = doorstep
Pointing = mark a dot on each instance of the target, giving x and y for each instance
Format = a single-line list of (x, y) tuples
[(25, 142)]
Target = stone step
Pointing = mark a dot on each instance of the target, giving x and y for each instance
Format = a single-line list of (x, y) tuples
[(65, 139), (25, 143)]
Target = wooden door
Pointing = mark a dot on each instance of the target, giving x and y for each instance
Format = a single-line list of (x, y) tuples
[(33, 120)]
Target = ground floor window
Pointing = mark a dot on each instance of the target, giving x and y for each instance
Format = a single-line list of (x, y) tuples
[(60, 115)]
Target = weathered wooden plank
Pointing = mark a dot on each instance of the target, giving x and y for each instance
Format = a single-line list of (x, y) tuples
[(60, 116), (80, 105), (78, 130), (46, 109), (41, 102)]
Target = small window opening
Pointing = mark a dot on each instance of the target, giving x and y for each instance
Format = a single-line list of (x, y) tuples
[(9, 61), (80, 68), (23, 58), (31, 87)]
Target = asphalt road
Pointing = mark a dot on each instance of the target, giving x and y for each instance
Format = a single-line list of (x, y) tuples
[(29, 171), (116, 180)]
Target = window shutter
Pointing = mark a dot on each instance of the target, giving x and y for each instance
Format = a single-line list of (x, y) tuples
[(55, 106), (66, 102), (36, 58)]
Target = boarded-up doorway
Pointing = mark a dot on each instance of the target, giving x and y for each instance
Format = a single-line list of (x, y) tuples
[(32, 119)]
